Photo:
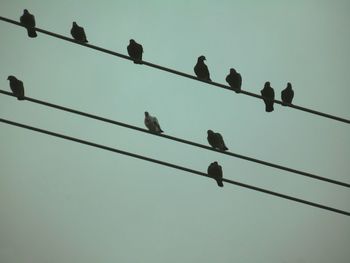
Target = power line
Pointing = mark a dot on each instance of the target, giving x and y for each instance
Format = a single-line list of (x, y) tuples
[(172, 166), (326, 115), (180, 140)]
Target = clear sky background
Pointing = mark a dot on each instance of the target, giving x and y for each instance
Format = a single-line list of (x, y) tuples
[(65, 202)]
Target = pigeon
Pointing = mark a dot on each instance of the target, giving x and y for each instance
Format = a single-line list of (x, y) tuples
[(201, 69), (215, 171), (287, 95), (28, 20), (135, 51), (216, 141), (16, 86), (152, 123), (78, 33), (234, 79), (269, 95)]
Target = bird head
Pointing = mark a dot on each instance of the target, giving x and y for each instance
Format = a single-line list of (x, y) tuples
[(10, 78), (25, 11), (289, 85), (75, 23), (233, 71), (132, 41), (267, 84), (201, 58), (210, 132), (146, 113)]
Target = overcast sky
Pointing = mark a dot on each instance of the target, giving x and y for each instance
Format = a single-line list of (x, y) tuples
[(65, 202)]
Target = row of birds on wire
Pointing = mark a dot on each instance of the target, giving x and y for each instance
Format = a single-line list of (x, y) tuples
[(135, 51)]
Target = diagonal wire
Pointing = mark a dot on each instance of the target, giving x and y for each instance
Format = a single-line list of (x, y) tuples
[(180, 140), (326, 115), (173, 166)]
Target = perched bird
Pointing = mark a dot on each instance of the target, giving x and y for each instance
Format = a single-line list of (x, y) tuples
[(201, 69), (28, 20), (16, 86), (152, 123), (287, 94), (135, 51), (234, 79), (78, 33), (215, 171), (216, 141), (269, 95)]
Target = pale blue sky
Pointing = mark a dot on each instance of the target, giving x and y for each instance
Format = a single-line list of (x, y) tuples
[(65, 202)]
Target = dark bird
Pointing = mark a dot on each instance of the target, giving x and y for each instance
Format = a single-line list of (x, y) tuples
[(16, 86), (287, 95), (28, 20), (215, 171), (216, 141), (78, 33), (152, 123), (135, 51), (269, 95), (234, 79), (201, 69)]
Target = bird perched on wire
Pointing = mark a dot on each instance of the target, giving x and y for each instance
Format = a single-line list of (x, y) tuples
[(234, 79), (17, 87), (28, 20), (269, 95), (216, 141), (287, 95), (135, 51), (78, 33), (152, 123), (201, 69), (215, 171)]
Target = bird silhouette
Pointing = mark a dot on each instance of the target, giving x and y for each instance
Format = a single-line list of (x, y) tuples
[(287, 94), (152, 123), (135, 51), (16, 86), (28, 20), (201, 69), (269, 95), (78, 33), (215, 171), (216, 141), (234, 79)]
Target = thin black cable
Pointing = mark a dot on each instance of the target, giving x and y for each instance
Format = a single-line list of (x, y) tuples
[(172, 165), (326, 115), (328, 180)]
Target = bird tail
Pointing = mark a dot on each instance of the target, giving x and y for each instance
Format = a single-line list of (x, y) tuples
[(269, 107), (20, 97), (138, 61), (219, 182), (31, 32)]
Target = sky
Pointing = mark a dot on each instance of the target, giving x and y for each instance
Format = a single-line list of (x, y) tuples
[(65, 202)]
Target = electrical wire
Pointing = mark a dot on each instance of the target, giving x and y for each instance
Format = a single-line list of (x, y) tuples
[(172, 166), (326, 115), (99, 118)]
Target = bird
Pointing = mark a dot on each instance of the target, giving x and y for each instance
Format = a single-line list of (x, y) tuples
[(78, 33), (16, 86), (135, 51), (269, 95), (216, 141), (215, 171), (287, 94), (234, 79), (201, 69), (152, 123), (28, 20)]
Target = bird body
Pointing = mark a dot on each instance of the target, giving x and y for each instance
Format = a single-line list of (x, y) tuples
[(78, 33), (135, 51), (216, 141), (215, 171), (269, 95), (17, 87), (28, 20), (201, 70), (234, 79), (287, 94), (152, 123)]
